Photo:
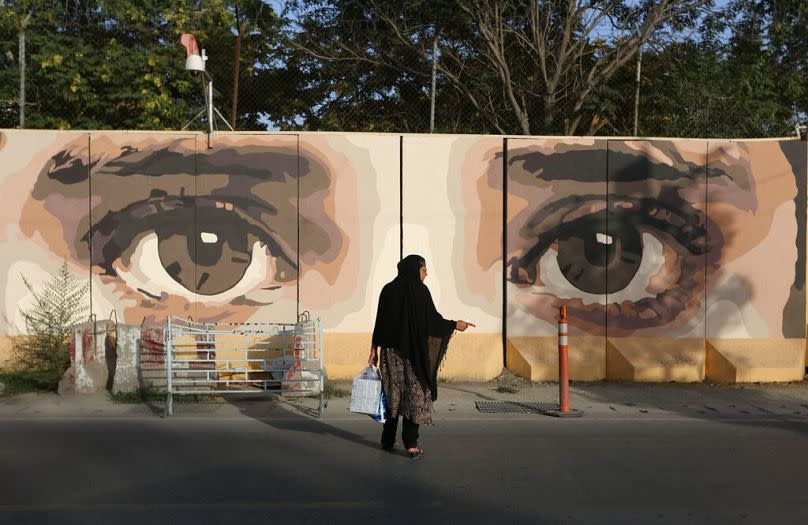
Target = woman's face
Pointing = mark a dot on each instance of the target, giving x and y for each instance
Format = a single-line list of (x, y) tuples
[(423, 272)]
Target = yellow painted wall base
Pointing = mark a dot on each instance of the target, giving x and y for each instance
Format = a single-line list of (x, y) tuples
[(536, 358), (655, 360), (753, 360), (346, 354), (471, 357), (6, 358)]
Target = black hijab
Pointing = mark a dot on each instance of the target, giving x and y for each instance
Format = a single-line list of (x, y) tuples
[(408, 321)]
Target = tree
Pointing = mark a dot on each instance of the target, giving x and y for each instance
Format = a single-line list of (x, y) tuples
[(44, 351), (503, 66), (741, 74), (255, 22), (115, 63), (768, 55), (523, 66)]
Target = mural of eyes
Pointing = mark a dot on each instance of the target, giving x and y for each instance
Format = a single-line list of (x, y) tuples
[(635, 254), (211, 246)]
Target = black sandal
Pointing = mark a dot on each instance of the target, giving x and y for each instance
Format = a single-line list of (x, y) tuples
[(417, 454)]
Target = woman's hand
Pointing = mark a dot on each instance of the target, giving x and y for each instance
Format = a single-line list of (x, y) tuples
[(462, 325), (374, 356)]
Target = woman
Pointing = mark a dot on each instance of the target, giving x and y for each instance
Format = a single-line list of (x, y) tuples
[(413, 338)]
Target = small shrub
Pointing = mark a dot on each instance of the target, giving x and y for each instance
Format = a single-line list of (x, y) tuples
[(44, 353), (505, 389), (140, 395), (149, 395), (19, 382), (332, 391)]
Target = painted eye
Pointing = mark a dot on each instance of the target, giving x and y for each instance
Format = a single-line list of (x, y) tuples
[(597, 268), (189, 246), (632, 257), (148, 272)]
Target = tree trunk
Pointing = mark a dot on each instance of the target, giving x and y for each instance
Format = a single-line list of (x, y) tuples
[(236, 68), (637, 90)]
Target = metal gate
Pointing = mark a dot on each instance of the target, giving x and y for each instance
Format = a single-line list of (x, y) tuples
[(224, 358)]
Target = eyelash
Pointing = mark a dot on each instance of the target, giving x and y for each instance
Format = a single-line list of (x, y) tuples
[(691, 235)]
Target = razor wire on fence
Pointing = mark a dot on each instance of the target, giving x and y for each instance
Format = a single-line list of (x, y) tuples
[(406, 66)]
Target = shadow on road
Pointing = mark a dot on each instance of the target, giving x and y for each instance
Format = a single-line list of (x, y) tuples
[(782, 406), (407, 490)]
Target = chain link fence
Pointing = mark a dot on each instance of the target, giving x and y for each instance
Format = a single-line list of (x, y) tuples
[(82, 72)]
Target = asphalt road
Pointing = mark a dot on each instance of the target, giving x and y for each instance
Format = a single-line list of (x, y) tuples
[(279, 464)]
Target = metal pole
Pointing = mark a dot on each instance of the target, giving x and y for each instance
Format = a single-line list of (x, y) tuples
[(169, 371), (319, 331), (21, 58), (637, 89), (563, 368), (434, 83), (210, 105), (564, 409)]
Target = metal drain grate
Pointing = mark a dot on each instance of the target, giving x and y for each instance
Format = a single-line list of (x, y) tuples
[(515, 407), (144, 410), (179, 409)]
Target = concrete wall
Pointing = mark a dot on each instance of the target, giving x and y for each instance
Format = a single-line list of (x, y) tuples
[(661, 249)]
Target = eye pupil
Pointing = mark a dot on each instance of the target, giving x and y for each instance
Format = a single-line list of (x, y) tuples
[(599, 248), (598, 260), (207, 251)]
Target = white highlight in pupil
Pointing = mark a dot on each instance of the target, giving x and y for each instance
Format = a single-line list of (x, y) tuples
[(209, 238), (603, 238)]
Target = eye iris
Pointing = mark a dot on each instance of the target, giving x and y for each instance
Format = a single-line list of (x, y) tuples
[(209, 258), (598, 262)]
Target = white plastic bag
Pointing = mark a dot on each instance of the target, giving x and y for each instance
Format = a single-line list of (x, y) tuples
[(367, 396)]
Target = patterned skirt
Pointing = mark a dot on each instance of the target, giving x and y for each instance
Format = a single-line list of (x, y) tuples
[(405, 394)]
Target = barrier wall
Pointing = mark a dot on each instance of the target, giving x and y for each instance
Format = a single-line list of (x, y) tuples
[(677, 259)]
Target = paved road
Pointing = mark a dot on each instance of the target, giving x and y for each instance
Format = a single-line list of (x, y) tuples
[(257, 462)]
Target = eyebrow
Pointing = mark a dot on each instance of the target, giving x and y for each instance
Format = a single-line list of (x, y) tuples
[(601, 165), (593, 165), (262, 164)]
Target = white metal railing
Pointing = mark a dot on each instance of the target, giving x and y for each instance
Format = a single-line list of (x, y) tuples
[(221, 358)]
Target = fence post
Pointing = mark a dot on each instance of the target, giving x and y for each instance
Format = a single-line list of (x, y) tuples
[(169, 371), (321, 336)]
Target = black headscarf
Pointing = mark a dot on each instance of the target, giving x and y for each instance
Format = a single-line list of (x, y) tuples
[(408, 321)]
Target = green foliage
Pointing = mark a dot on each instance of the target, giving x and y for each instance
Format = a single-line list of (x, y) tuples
[(19, 382), (744, 73), (736, 68), (332, 391), (44, 352), (513, 66), (119, 63), (141, 395)]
